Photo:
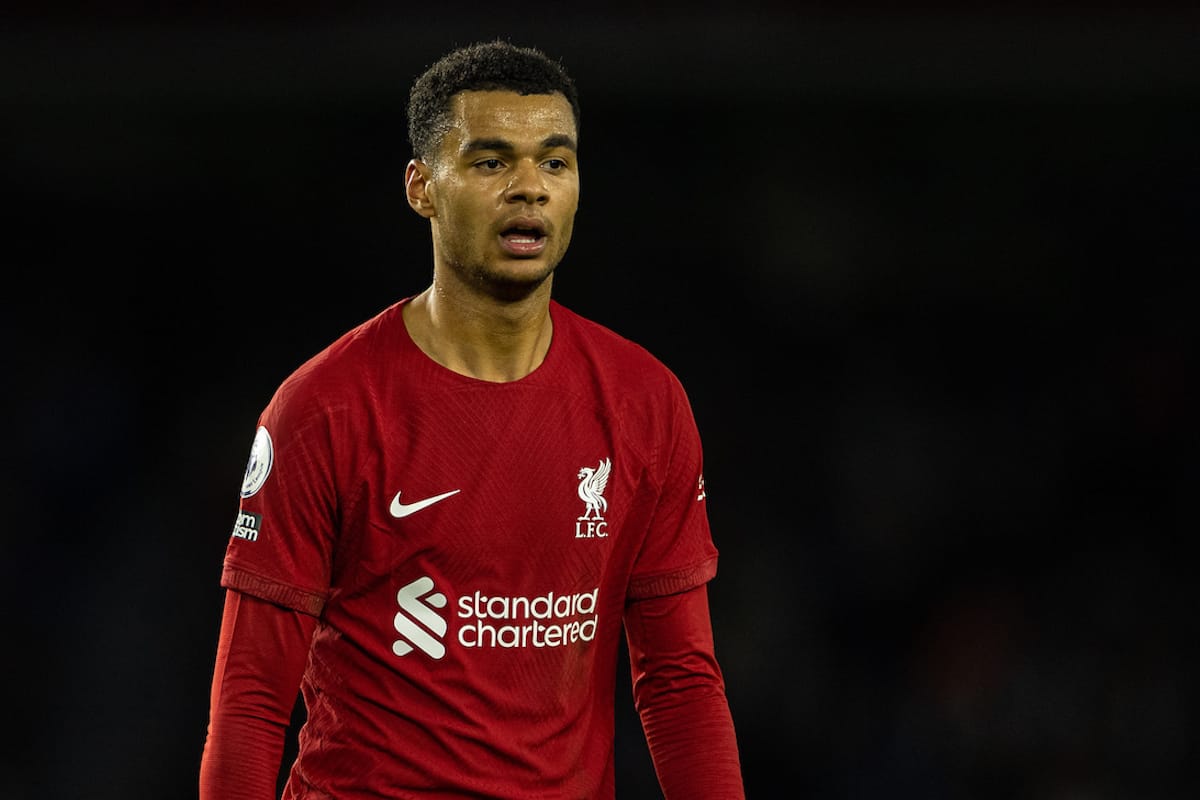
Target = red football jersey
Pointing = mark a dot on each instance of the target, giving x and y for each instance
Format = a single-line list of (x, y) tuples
[(468, 548)]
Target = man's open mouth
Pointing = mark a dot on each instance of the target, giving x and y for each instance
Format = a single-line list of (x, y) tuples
[(524, 238)]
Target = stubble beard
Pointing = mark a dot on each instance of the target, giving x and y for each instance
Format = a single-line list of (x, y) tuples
[(505, 286)]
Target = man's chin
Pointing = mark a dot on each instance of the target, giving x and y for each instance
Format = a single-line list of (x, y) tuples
[(514, 285)]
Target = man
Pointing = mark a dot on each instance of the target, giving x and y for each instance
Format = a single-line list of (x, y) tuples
[(452, 514)]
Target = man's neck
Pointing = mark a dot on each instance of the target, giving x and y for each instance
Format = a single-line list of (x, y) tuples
[(479, 336)]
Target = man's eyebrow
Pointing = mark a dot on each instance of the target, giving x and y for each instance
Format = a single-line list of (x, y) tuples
[(475, 145), (559, 140), (505, 146)]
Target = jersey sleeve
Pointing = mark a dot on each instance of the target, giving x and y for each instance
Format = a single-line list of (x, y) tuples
[(678, 552), (261, 654), (281, 548), (679, 693)]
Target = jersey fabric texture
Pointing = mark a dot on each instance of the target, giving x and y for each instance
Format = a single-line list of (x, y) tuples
[(468, 549)]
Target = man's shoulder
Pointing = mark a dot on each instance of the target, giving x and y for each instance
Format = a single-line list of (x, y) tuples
[(594, 334), (628, 362), (345, 360)]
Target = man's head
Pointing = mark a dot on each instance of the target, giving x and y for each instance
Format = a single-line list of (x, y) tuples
[(484, 66), (496, 171)]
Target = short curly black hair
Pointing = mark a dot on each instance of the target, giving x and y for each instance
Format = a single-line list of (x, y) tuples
[(483, 66)]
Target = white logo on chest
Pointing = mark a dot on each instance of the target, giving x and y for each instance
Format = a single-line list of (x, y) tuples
[(592, 482), (415, 601), (400, 510)]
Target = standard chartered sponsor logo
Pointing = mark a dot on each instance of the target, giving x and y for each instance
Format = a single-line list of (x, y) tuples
[(415, 601), (548, 620)]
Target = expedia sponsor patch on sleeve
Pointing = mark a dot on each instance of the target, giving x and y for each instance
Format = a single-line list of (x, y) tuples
[(247, 526)]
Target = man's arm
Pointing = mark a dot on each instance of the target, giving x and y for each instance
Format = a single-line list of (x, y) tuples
[(679, 693), (261, 655)]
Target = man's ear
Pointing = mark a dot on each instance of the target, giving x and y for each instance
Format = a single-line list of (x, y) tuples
[(416, 188)]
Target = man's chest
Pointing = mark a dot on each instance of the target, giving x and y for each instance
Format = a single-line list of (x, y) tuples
[(480, 488)]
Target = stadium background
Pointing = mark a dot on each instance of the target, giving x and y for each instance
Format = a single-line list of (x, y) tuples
[(925, 275)]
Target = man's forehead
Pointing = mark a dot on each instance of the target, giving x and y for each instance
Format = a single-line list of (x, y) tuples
[(505, 110)]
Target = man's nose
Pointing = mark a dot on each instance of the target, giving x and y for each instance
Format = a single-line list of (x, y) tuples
[(527, 185)]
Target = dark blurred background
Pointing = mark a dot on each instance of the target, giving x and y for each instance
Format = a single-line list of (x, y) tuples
[(927, 275)]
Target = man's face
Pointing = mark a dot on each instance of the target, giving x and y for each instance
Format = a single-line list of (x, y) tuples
[(504, 188)]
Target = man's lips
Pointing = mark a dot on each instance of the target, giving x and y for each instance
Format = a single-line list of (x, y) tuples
[(523, 237)]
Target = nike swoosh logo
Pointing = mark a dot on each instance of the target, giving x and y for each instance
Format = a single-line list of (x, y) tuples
[(400, 510)]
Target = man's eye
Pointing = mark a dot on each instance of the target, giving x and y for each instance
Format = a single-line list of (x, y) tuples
[(490, 163), (556, 163)]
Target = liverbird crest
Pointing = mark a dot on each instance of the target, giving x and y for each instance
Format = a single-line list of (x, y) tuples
[(591, 488)]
